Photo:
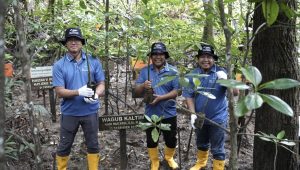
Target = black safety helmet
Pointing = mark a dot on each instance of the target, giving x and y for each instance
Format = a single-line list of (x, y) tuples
[(207, 49), (159, 48), (73, 32)]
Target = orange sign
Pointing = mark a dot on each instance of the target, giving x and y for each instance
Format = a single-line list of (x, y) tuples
[(137, 64), (8, 70), (238, 77)]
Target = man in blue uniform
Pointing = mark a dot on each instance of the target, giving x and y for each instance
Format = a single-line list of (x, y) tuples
[(80, 104), (163, 104), (209, 136)]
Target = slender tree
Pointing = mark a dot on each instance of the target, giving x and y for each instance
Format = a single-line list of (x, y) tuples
[(106, 55), (26, 64), (208, 27), (233, 163), (2, 79), (274, 54)]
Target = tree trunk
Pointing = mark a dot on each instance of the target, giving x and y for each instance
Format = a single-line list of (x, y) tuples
[(233, 161), (275, 55), (26, 64), (106, 55), (208, 35), (51, 9), (2, 79)]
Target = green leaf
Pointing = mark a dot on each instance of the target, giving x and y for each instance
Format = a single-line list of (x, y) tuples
[(253, 101), (241, 108), (252, 74), (290, 13), (155, 118), (164, 126), (288, 143), (233, 84), (266, 139), (278, 104), (184, 82), (145, 2), (90, 11), (229, 1), (273, 138), (283, 83), (165, 80), (207, 94), (21, 148), (270, 11), (264, 136), (82, 4), (155, 134), (196, 75), (148, 118), (144, 126), (197, 82), (280, 135)]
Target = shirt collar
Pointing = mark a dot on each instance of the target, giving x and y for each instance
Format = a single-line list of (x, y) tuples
[(71, 58), (165, 68)]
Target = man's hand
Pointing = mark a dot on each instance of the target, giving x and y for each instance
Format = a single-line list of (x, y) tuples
[(193, 120), (147, 84), (222, 75), (157, 98), (85, 91), (91, 99)]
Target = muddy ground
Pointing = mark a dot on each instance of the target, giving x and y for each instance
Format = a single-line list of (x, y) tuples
[(21, 158), (137, 156)]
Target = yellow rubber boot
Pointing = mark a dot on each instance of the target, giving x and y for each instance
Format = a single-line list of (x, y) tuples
[(202, 157), (169, 153), (153, 155), (218, 164), (93, 161), (62, 162)]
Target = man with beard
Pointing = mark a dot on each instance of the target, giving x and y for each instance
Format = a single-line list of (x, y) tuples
[(163, 103)]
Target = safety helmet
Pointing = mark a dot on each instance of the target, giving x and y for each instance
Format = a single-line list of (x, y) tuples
[(159, 48), (207, 49), (73, 32)]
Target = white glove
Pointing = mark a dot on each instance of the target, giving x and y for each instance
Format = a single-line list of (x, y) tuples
[(85, 91), (90, 99), (193, 119), (222, 75)]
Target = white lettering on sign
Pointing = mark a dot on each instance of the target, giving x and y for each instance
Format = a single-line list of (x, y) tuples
[(41, 83), (120, 122), (38, 72)]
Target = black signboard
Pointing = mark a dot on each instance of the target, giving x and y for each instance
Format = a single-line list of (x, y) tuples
[(119, 122)]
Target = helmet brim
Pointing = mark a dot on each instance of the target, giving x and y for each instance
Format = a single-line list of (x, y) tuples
[(159, 52), (64, 41)]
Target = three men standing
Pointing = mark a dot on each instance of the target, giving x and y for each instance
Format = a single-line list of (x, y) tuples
[(74, 74)]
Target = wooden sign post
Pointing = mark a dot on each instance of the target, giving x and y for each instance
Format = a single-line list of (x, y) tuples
[(41, 79), (121, 123)]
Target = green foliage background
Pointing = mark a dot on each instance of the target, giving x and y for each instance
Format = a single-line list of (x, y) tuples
[(177, 23)]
